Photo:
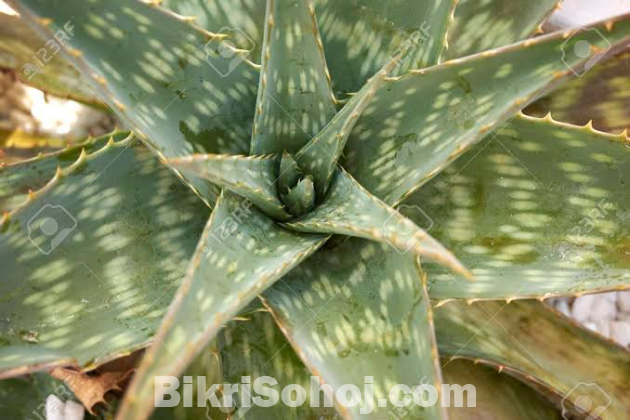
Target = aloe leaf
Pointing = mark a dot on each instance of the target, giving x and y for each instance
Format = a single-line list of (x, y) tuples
[(182, 89), (539, 210), (252, 177), (301, 198), (125, 226), (16, 144), (290, 173), (19, 47), (503, 21), (206, 364), (250, 345), (599, 96), (360, 36), (242, 20), (498, 396), (295, 99), (17, 179), (537, 345), (417, 124), (319, 156), (254, 346), (241, 253), (350, 210), (360, 309)]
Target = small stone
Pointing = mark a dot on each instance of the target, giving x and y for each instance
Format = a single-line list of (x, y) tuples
[(611, 296), (623, 316), (602, 309), (56, 409), (563, 307), (582, 307), (603, 327), (620, 332), (623, 301), (591, 326), (74, 411)]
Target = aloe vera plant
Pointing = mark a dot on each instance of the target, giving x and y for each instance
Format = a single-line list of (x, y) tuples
[(374, 200)]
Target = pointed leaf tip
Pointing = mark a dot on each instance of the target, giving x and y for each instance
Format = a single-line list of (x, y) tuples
[(251, 177), (349, 209)]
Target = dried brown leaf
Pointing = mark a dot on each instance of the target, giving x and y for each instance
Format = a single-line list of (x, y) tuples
[(90, 388)]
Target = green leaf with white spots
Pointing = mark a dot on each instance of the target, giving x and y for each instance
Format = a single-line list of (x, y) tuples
[(242, 20), (482, 25), (241, 253), (360, 36), (360, 309), (254, 346), (497, 396), (301, 198), (417, 124), (537, 345), (19, 47), (97, 287), (350, 210), (600, 95), (159, 74), (290, 173), (17, 179), (357, 307), (319, 156), (206, 364), (540, 209), (295, 99), (251, 177)]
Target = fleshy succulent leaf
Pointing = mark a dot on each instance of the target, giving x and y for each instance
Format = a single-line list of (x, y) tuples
[(208, 365), (241, 253), (356, 305), (301, 198), (95, 255), (599, 96), (319, 156), (290, 173), (174, 83), (539, 346), (497, 396), (539, 210), (350, 210), (251, 177), (17, 145), (17, 179), (503, 21), (417, 124), (125, 227), (295, 99), (254, 346), (18, 51), (360, 36)]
